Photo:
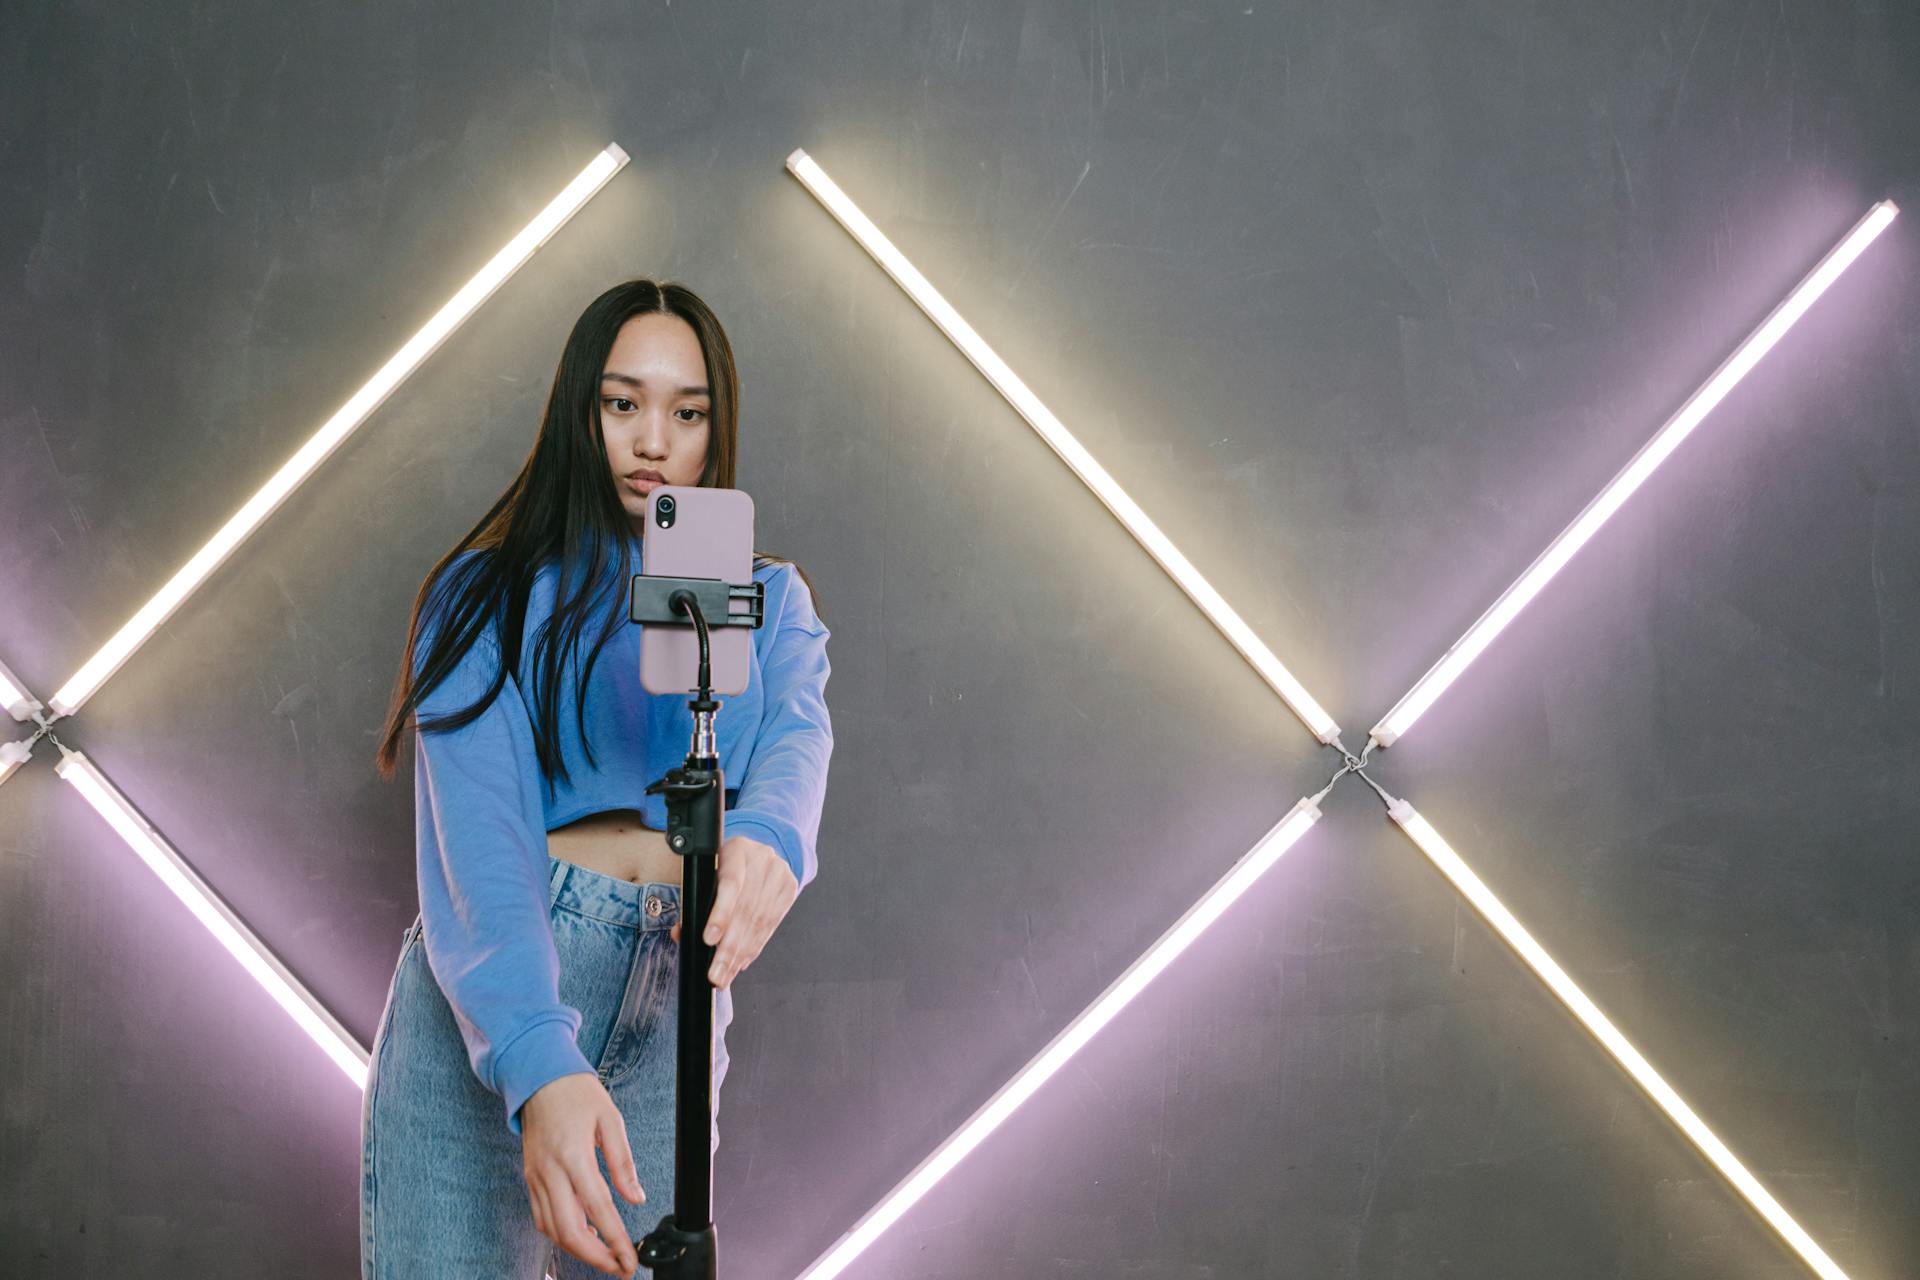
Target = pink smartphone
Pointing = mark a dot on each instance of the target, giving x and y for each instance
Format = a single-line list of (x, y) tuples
[(694, 531)]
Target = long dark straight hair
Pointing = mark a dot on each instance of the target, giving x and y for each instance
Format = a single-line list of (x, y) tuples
[(562, 506)]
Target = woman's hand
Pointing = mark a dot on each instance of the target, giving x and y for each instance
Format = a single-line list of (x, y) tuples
[(560, 1125), (755, 889)]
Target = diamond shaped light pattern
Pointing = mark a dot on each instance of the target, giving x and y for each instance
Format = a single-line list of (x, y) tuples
[(86, 776), (1392, 726), (259, 961)]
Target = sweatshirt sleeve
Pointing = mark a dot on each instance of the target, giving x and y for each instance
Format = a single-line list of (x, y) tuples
[(482, 869), (786, 779)]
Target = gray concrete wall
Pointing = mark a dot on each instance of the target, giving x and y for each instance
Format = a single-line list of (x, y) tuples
[(1362, 301)]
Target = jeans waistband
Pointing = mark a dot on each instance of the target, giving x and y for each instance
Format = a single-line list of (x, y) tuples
[(591, 893)]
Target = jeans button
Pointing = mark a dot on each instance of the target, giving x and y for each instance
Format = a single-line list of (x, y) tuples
[(654, 906)]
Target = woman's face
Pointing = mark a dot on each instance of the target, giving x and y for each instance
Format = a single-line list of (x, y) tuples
[(654, 408)]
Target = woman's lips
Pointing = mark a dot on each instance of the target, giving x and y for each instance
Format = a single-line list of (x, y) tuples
[(643, 484)]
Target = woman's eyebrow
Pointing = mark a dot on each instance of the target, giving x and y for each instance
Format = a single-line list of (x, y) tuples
[(641, 382)]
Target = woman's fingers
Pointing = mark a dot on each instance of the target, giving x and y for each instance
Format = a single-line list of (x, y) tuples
[(728, 882), (542, 1215), (753, 939), (566, 1190), (567, 1124), (604, 1215), (754, 890), (762, 903), (619, 1155), (730, 956)]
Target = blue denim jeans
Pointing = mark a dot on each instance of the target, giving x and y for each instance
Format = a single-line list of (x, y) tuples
[(443, 1191)]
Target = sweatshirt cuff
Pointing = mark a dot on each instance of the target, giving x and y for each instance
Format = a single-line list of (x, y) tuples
[(536, 1057), (783, 836)]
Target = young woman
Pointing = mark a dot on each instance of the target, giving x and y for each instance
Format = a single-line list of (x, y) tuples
[(526, 1052)]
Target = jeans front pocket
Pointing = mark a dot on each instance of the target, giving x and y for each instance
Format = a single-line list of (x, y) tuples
[(646, 1003)]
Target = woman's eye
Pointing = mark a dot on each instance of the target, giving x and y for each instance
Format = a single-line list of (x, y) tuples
[(617, 401), (701, 412)]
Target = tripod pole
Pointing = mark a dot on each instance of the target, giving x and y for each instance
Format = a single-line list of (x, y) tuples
[(683, 1246)]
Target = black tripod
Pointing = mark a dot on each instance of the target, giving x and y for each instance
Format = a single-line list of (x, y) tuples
[(683, 1247)]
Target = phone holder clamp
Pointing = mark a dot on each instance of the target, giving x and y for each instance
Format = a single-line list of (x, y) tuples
[(652, 601)]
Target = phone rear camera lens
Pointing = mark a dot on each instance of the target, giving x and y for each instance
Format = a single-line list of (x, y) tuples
[(666, 504)]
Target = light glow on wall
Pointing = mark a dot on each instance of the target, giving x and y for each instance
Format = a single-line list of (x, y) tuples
[(101, 666), (220, 920), (1617, 1046), (1516, 597), (1070, 1041), (1071, 451), (12, 756)]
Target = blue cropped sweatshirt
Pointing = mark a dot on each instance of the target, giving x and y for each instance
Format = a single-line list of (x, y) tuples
[(483, 808)]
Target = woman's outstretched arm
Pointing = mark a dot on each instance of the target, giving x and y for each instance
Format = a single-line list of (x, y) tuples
[(485, 905), (786, 776), (482, 871), (768, 853)]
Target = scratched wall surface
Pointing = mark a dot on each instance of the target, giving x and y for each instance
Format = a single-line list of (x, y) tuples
[(1362, 301)]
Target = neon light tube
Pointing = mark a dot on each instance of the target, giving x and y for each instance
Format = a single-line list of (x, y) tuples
[(1748, 354), (1071, 451), (1070, 1041), (1544, 967), (220, 920), (14, 696), (499, 268)]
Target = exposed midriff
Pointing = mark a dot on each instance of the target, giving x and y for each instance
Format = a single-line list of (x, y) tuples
[(616, 843)]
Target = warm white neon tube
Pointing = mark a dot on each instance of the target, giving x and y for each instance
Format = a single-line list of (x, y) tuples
[(1071, 451), (232, 933), (1069, 1042), (14, 696), (1516, 597), (499, 268), (1617, 1045)]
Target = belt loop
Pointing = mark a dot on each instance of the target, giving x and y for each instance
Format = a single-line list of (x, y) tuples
[(556, 876)]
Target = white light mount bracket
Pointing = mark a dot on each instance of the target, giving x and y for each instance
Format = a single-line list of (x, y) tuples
[(19, 702)]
